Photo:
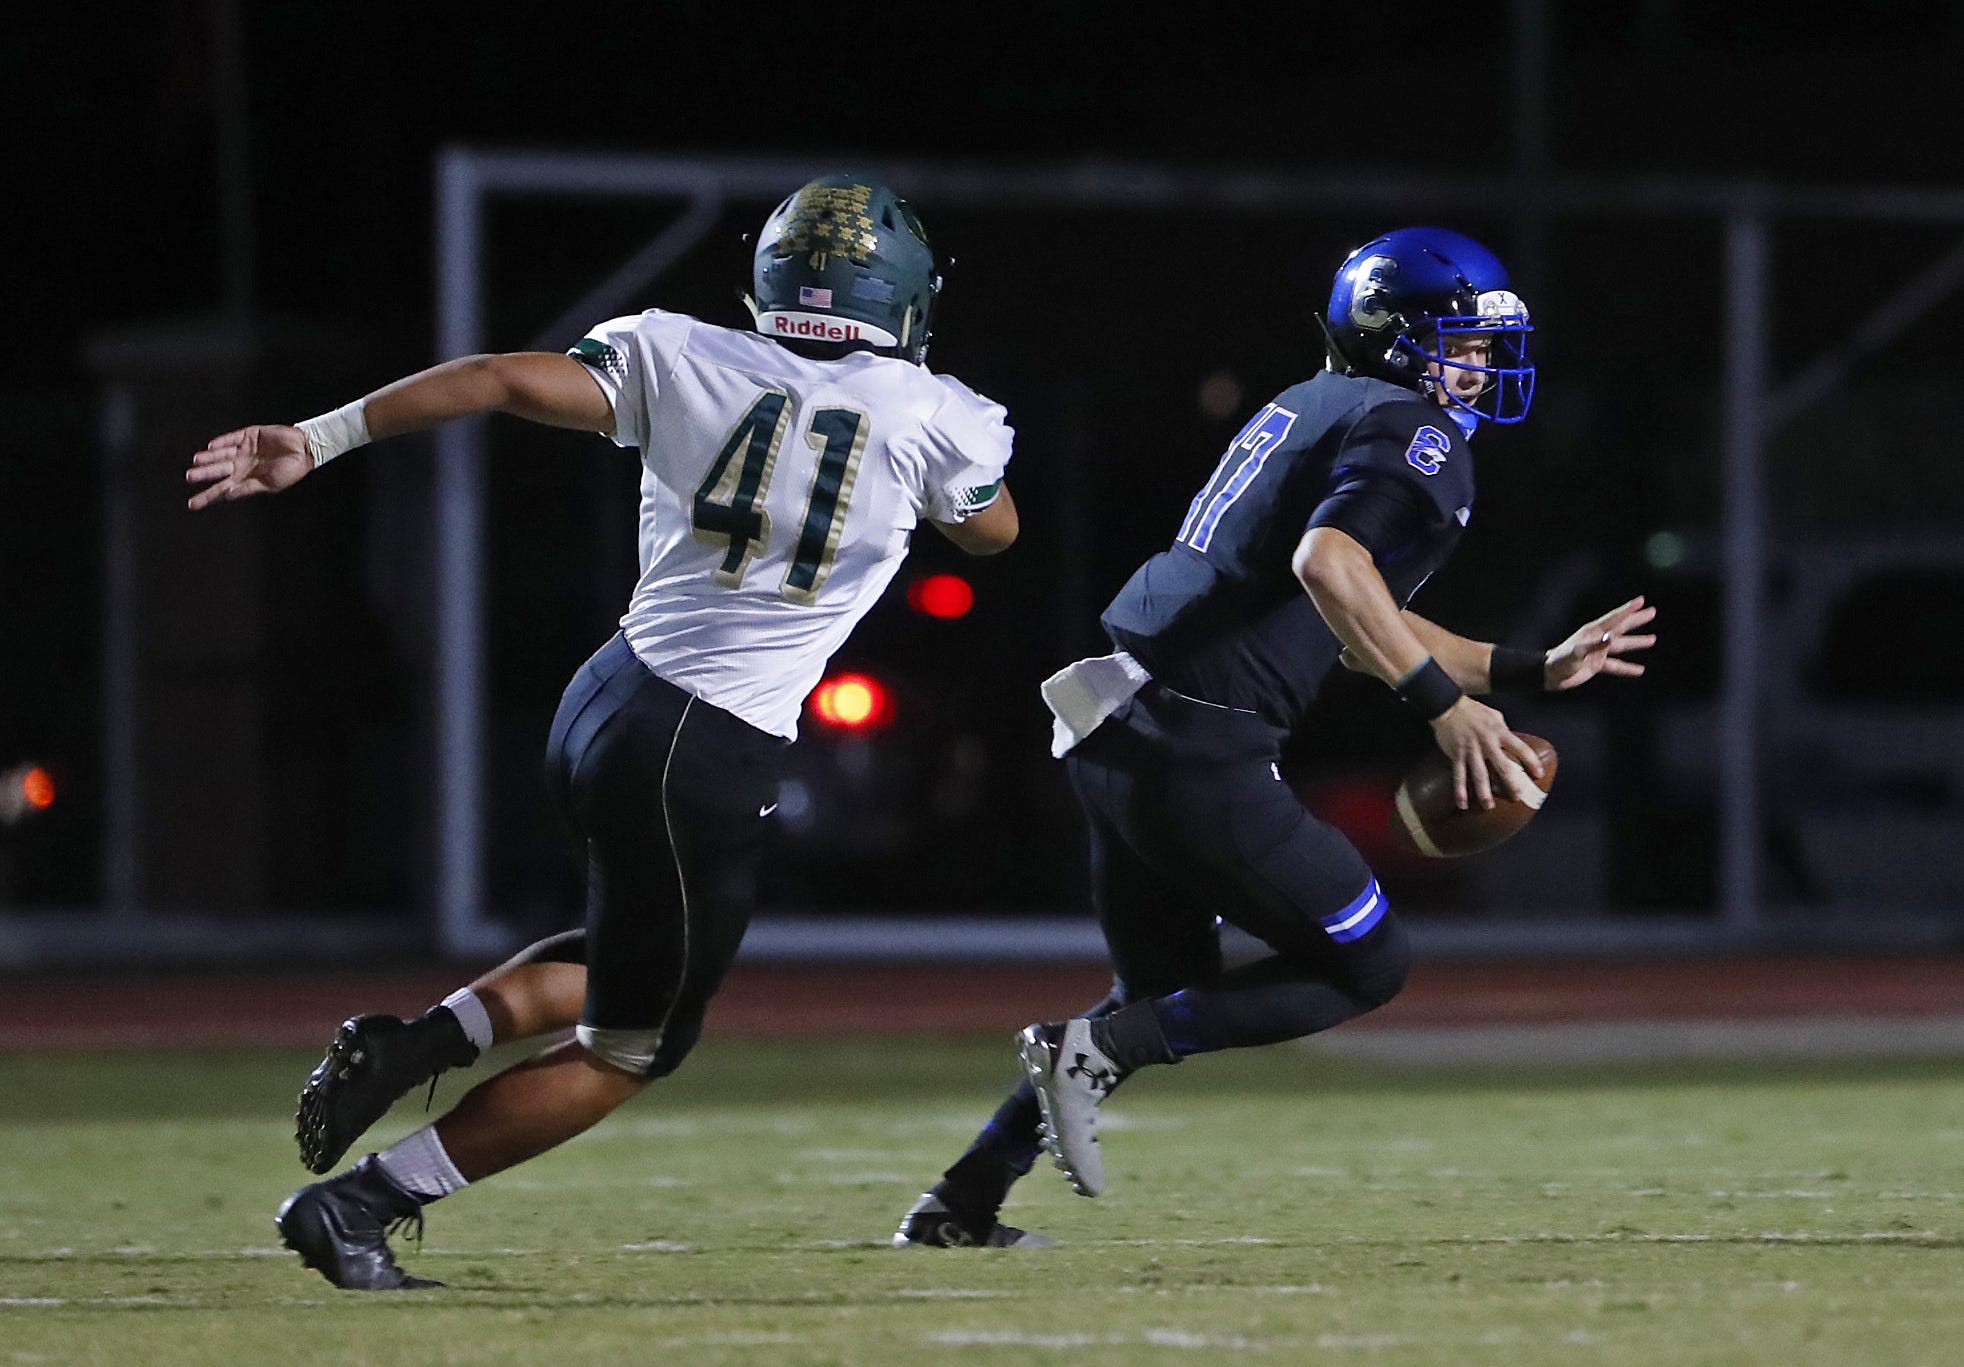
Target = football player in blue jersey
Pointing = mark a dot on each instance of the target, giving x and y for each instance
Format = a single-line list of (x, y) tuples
[(1330, 508)]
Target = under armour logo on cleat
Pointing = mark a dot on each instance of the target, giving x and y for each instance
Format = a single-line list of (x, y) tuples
[(1097, 1079)]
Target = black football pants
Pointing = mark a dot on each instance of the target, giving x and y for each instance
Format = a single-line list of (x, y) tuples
[(668, 795)]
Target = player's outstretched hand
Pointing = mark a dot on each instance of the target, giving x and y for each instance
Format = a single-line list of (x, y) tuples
[(252, 460), (1597, 647), (1477, 740)]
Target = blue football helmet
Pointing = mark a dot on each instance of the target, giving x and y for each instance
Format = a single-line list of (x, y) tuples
[(1398, 298)]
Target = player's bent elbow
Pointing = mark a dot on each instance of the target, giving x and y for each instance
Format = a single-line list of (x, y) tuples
[(989, 532), (1326, 558), (488, 379), (515, 376), (996, 542), (978, 543)]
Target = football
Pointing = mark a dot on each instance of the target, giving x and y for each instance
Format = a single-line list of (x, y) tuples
[(1425, 819)]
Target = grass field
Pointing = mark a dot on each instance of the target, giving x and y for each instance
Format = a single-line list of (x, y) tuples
[(1270, 1206)]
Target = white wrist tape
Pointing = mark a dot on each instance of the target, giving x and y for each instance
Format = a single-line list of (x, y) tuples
[(332, 434)]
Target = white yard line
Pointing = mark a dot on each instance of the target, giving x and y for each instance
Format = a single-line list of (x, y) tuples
[(1164, 1338), (1552, 1042)]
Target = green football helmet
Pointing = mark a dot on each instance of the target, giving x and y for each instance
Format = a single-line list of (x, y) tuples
[(844, 259)]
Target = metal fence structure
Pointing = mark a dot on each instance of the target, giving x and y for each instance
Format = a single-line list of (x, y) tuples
[(473, 185), (471, 182)]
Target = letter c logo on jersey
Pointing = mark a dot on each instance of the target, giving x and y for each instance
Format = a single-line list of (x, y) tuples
[(1428, 450)]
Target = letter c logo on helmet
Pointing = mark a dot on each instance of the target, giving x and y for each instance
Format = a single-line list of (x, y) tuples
[(1367, 292), (1399, 301)]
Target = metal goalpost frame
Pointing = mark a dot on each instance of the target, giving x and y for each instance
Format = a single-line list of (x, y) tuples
[(469, 179)]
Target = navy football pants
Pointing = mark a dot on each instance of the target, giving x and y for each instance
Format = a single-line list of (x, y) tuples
[(1190, 819)]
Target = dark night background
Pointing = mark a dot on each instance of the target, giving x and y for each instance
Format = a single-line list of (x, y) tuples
[(1098, 330)]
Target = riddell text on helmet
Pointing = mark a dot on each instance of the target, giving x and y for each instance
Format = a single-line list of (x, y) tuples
[(817, 328)]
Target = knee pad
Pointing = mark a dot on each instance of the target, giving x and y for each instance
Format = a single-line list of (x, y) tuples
[(674, 1047), (631, 1051)]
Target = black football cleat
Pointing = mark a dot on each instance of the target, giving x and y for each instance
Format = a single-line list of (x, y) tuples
[(340, 1228), (373, 1062), (930, 1224)]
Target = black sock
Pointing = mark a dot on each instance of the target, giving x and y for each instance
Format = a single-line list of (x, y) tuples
[(1132, 1037), (977, 1217), (453, 1047), (978, 1183)]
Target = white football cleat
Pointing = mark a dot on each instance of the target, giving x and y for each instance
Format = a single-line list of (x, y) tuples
[(1072, 1076)]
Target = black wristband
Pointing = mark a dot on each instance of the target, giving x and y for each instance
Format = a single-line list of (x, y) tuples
[(1428, 689), (1513, 669)]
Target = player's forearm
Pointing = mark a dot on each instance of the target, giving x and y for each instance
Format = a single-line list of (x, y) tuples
[(1343, 581), (1466, 660), (542, 387), (461, 388)]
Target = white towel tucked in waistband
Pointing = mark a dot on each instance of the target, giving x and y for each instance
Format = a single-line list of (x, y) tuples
[(1082, 695)]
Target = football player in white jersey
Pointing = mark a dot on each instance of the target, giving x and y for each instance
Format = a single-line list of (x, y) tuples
[(783, 472)]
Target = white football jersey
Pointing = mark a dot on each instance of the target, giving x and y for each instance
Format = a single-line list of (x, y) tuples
[(778, 495)]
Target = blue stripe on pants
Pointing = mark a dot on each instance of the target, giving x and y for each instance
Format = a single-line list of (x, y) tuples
[(1358, 919)]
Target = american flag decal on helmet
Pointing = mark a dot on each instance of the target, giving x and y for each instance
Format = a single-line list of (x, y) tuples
[(814, 297)]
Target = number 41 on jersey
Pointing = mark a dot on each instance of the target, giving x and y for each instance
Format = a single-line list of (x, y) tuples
[(727, 505)]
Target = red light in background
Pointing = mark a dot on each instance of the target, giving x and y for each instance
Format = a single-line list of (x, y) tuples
[(946, 596), (852, 702), (38, 787)]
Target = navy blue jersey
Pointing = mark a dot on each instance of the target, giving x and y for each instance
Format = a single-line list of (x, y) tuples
[(1220, 616)]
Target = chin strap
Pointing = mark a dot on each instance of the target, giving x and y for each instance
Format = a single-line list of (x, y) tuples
[(1332, 353)]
